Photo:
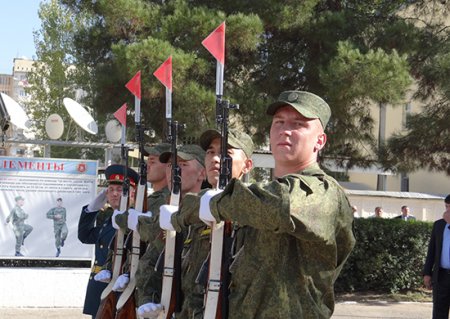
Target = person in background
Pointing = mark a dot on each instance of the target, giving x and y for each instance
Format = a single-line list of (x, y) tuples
[(378, 212), (58, 215), (21, 230), (406, 216), (95, 228), (436, 271)]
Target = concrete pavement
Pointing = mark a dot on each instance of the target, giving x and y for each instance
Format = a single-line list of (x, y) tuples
[(344, 310)]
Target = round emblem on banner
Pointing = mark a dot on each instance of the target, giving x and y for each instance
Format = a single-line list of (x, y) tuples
[(292, 97), (81, 167)]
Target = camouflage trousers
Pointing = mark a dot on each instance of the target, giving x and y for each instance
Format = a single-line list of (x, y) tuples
[(61, 232), (21, 232)]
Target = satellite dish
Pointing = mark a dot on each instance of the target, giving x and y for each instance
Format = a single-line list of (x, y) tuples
[(17, 115), (54, 126), (113, 131), (80, 116)]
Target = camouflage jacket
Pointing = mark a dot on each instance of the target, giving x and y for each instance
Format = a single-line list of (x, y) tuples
[(58, 214), (195, 252), (148, 280), (298, 237), (17, 215)]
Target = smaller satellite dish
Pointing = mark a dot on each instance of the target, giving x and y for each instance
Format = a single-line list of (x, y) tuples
[(17, 115), (80, 116), (54, 126), (113, 131)]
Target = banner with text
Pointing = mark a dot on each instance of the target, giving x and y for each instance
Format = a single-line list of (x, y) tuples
[(40, 204)]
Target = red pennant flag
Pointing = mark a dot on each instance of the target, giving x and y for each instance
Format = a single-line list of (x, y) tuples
[(215, 43), (164, 73), (121, 114), (134, 85)]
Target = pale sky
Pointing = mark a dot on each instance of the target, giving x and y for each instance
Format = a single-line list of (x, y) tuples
[(18, 20)]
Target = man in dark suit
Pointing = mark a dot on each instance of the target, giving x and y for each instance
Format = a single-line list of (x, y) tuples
[(95, 227), (436, 272), (405, 214)]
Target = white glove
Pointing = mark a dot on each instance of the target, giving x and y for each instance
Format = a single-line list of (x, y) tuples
[(165, 216), (103, 276), (121, 282), (98, 202), (205, 210), (113, 218), (133, 216), (149, 310)]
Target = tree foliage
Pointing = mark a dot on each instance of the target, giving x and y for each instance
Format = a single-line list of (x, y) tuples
[(352, 53)]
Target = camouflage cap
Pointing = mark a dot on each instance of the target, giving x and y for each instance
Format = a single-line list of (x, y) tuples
[(18, 198), (187, 152), (157, 149), (236, 139), (307, 104)]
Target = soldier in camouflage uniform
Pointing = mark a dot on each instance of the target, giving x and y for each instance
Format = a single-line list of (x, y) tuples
[(150, 235), (58, 215), (21, 230), (191, 162), (299, 226), (240, 149)]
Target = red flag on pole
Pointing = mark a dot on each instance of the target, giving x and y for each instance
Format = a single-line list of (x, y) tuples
[(164, 73), (134, 85), (121, 114), (215, 43)]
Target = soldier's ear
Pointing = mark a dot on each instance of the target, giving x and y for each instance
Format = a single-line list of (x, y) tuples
[(248, 165), (321, 141)]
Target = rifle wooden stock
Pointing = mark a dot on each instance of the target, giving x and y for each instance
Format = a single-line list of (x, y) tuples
[(168, 294), (128, 293), (128, 311), (107, 308)]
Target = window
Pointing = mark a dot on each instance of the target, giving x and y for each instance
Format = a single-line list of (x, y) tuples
[(405, 113)]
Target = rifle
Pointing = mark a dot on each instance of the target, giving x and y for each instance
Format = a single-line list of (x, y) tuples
[(126, 305), (216, 298), (171, 285), (107, 308)]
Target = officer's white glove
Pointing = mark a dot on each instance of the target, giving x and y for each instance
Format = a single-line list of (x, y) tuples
[(113, 218), (205, 211), (133, 216), (98, 202), (121, 282), (103, 276), (165, 216), (149, 310)]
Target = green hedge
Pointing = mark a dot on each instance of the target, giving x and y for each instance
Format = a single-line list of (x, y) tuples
[(388, 256)]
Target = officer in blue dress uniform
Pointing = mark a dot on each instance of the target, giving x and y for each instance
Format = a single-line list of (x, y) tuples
[(95, 227)]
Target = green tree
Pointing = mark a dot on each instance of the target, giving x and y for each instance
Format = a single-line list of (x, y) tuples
[(352, 53), (58, 74)]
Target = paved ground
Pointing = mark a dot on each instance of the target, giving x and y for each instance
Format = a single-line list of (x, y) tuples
[(346, 310)]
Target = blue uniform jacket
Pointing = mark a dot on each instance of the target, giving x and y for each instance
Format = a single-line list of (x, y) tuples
[(93, 229)]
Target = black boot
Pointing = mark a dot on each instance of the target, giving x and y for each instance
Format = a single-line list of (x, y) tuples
[(58, 251), (62, 243), (18, 254)]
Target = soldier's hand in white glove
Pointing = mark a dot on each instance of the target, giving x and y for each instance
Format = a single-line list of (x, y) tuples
[(165, 216), (113, 218), (133, 216), (103, 276), (205, 211), (121, 282), (98, 202), (149, 310)]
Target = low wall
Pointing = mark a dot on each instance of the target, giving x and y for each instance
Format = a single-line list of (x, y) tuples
[(43, 287)]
